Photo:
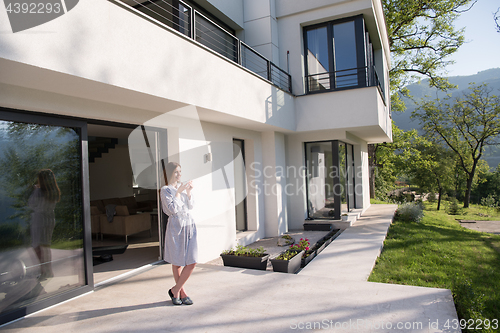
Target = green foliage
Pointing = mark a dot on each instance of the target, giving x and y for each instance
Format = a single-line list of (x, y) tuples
[(244, 251), (409, 212), (27, 148), (288, 254), (489, 201), (466, 125), (453, 208), (422, 36), (391, 160), (439, 253), (488, 185), (11, 236)]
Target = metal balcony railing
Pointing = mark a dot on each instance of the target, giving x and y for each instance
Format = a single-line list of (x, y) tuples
[(344, 79), (190, 22)]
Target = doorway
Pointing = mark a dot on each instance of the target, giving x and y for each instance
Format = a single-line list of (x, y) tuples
[(124, 181), (240, 185)]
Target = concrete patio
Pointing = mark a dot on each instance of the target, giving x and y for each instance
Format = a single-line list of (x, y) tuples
[(331, 293)]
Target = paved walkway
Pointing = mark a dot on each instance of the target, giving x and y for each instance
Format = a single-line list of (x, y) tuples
[(492, 227), (330, 294)]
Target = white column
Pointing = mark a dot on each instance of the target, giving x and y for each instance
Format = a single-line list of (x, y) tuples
[(261, 27), (274, 178)]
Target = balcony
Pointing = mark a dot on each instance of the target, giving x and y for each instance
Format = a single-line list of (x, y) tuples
[(344, 79), (188, 21)]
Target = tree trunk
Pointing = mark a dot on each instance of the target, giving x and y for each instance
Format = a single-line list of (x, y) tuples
[(439, 197), (470, 179), (468, 190)]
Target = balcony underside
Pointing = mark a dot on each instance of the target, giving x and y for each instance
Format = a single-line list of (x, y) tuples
[(361, 112)]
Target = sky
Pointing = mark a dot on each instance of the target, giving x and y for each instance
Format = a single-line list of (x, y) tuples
[(482, 48)]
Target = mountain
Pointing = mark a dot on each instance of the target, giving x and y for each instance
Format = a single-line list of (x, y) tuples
[(422, 90)]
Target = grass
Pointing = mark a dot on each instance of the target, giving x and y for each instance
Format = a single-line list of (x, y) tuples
[(68, 245), (438, 252)]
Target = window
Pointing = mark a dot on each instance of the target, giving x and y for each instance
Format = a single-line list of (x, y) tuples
[(338, 56), (42, 257)]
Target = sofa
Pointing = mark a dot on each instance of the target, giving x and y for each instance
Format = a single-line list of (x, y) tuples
[(131, 217)]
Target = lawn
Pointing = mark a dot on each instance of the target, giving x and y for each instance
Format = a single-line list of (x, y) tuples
[(438, 252)]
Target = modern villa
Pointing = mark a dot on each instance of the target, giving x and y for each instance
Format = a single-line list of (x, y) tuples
[(268, 105)]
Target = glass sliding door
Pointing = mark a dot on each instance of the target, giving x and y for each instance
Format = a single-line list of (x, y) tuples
[(329, 179), (42, 257)]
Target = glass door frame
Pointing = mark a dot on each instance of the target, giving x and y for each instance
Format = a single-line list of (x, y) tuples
[(337, 204), (23, 116)]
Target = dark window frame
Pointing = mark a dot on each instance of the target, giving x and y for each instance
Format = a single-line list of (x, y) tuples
[(335, 144), (361, 52)]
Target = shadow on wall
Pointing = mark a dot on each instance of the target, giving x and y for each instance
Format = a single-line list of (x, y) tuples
[(276, 105)]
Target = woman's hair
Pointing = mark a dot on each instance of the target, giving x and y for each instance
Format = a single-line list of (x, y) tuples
[(171, 166), (48, 185)]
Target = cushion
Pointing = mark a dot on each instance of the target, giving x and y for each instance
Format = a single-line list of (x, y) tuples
[(121, 211), (94, 210)]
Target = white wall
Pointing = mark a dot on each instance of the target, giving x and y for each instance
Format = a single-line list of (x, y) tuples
[(110, 176), (214, 210), (110, 53)]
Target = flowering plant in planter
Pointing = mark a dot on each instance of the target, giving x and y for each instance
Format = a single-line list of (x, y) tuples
[(287, 255), (302, 245)]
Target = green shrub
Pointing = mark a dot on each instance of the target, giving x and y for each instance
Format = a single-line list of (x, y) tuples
[(453, 208), (409, 212), (490, 201)]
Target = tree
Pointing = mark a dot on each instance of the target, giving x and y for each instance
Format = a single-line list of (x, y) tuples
[(431, 168), (421, 38), (467, 126), (496, 17)]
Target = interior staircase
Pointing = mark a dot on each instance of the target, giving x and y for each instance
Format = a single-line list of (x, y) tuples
[(99, 146)]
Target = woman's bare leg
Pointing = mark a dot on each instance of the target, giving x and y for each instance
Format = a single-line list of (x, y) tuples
[(177, 270), (181, 278)]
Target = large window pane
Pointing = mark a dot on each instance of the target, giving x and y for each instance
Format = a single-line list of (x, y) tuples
[(320, 173), (345, 58), (41, 221), (317, 59)]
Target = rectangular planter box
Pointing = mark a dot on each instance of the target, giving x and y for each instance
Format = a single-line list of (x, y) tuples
[(288, 266), (318, 226), (307, 259), (245, 262), (321, 248)]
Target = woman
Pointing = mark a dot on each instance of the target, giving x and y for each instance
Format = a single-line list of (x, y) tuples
[(43, 202), (181, 249)]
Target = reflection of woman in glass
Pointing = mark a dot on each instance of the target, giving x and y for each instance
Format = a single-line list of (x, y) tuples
[(181, 249), (43, 201)]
